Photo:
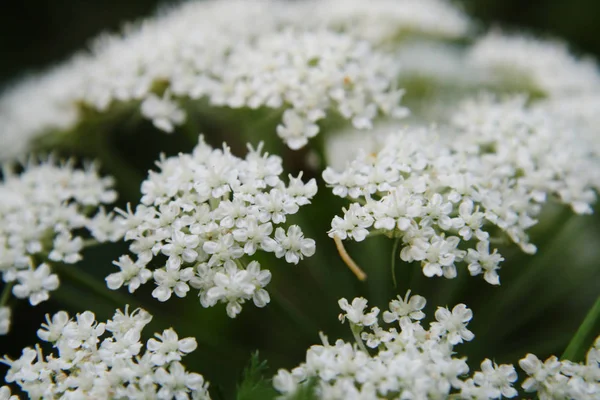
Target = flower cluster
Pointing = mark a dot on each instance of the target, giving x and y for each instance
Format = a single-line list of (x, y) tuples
[(45, 211), (304, 58), (97, 360), (527, 63), (397, 364), (447, 195), (554, 379), (384, 21), (201, 214)]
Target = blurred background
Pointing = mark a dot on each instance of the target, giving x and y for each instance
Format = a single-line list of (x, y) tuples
[(36, 34)]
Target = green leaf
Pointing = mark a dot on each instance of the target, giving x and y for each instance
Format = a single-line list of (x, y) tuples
[(307, 391), (254, 385), (575, 351)]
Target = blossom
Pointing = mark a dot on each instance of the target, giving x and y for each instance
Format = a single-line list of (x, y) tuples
[(355, 312), (5, 314), (483, 175), (207, 212), (89, 363), (408, 307), (453, 324), (35, 284), (305, 60), (45, 214), (293, 245), (407, 361), (169, 348), (534, 64)]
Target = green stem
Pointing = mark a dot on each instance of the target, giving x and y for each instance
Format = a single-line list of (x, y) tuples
[(356, 330), (578, 344), (394, 257), (91, 242), (78, 276), (6, 293)]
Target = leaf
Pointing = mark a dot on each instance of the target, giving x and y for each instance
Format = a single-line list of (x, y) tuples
[(307, 391), (254, 385)]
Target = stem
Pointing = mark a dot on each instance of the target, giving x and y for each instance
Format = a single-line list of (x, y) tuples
[(6, 293), (356, 329), (394, 257), (577, 345), (91, 242), (80, 277), (360, 274)]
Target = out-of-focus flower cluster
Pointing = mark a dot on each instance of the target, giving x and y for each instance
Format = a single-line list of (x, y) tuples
[(446, 195), (306, 58), (422, 364), (411, 362), (97, 360), (563, 379), (201, 215), (543, 67), (46, 213)]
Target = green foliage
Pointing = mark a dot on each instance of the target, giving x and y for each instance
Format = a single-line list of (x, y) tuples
[(254, 385), (307, 391)]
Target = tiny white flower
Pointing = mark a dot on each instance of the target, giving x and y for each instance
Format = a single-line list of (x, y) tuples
[(35, 284)]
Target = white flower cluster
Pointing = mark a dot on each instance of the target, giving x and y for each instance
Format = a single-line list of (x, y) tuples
[(306, 58), (447, 195), (410, 363), (386, 21), (554, 379), (201, 214), (97, 360), (44, 212), (533, 64)]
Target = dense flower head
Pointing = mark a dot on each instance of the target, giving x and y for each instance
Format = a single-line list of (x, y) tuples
[(202, 216), (305, 58), (448, 193), (46, 212), (105, 360), (563, 379), (404, 361), (528, 63)]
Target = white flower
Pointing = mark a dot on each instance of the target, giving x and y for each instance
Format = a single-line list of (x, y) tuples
[(545, 65), (169, 348), (171, 279), (409, 362), (164, 112), (410, 307), (207, 212), (52, 330), (97, 360), (45, 213), (481, 261), (453, 325), (293, 245), (66, 248), (355, 312), (489, 170), (35, 284), (5, 314), (132, 273)]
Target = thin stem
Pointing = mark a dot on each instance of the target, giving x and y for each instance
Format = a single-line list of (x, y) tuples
[(360, 274), (356, 330), (394, 257), (6, 293), (91, 242), (77, 275), (578, 344)]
